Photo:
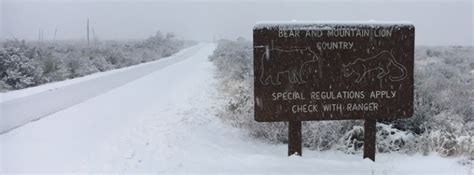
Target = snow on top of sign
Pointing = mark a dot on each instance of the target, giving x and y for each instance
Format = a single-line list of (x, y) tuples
[(272, 24)]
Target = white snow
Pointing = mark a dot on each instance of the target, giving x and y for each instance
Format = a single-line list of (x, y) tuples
[(26, 105), (164, 123), (293, 23)]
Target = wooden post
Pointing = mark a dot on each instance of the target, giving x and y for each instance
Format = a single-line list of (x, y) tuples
[(369, 139), (294, 138)]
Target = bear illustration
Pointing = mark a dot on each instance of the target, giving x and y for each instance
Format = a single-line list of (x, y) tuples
[(291, 63)]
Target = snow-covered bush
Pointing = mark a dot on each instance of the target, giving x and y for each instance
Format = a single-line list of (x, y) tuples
[(25, 64), (324, 135), (353, 140), (443, 119), (55, 70), (81, 66), (235, 71), (389, 139), (17, 70)]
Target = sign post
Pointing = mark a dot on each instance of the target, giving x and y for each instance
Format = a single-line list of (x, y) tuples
[(294, 138), (333, 71), (369, 139)]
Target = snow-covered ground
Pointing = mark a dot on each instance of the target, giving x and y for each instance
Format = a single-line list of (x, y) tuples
[(164, 123), (23, 106)]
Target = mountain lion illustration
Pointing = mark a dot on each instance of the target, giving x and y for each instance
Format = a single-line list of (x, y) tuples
[(382, 62), (292, 63)]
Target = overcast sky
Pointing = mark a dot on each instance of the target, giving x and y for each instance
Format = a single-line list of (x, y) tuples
[(437, 22)]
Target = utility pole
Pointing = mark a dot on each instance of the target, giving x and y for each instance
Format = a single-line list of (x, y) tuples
[(94, 37), (55, 32), (87, 31)]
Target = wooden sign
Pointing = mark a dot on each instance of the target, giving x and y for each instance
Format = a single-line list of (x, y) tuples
[(333, 71)]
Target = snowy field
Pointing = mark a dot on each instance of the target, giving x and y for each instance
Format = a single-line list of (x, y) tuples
[(164, 123)]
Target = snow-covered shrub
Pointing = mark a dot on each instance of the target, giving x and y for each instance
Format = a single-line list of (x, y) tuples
[(324, 135), (101, 63), (54, 69), (25, 64), (17, 70), (465, 145), (81, 66), (353, 140), (444, 104), (444, 101), (389, 139), (235, 71)]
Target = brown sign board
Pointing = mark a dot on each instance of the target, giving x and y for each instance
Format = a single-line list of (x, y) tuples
[(333, 71)]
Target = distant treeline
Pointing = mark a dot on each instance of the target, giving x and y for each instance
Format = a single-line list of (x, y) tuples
[(25, 64)]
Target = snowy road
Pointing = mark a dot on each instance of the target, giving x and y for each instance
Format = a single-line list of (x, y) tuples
[(164, 123), (47, 99)]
